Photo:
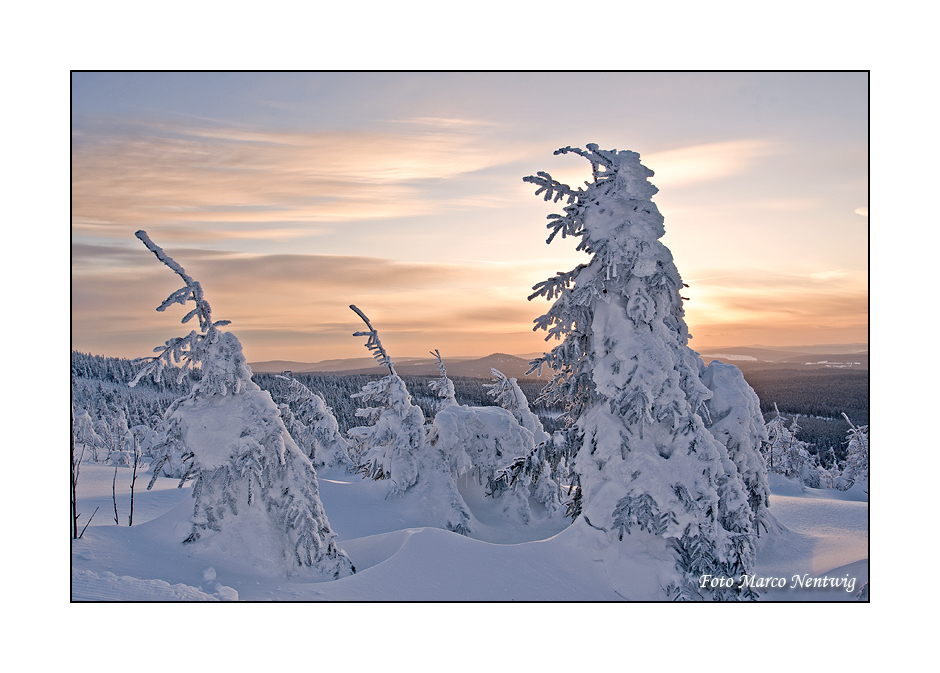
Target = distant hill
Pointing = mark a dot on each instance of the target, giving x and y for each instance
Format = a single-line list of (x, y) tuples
[(510, 365), (820, 356)]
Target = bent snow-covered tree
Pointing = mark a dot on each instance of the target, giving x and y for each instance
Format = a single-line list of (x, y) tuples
[(393, 446), (783, 452), (509, 396), (443, 386), (478, 442), (313, 426), (649, 477), (256, 494)]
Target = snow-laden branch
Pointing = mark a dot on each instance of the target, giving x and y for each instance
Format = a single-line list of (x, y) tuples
[(373, 343), (190, 349)]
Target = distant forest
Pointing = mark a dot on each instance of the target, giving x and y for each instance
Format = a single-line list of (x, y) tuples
[(819, 396)]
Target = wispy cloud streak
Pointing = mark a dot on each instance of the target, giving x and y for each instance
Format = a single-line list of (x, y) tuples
[(232, 181)]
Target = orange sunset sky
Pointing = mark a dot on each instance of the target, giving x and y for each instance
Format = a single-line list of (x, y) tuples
[(290, 196)]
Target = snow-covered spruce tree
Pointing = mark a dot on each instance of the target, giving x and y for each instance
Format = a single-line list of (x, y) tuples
[(116, 438), (783, 452), (734, 418), (856, 461), (509, 396), (443, 386), (478, 442), (539, 473), (87, 441), (650, 479), (256, 494), (393, 446), (313, 426)]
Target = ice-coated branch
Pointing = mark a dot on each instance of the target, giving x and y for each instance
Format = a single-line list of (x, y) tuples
[(553, 287), (596, 156), (189, 349), (191, 292), (163, 257), (373, 343), (440, 363), (553, 189)]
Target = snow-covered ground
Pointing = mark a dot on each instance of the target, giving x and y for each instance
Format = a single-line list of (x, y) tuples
[(399, 558)]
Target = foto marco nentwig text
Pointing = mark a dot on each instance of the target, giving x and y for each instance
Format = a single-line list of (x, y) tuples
[(795, 582)]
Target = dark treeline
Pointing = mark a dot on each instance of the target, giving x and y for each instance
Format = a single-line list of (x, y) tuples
[(99, 386), (337, 391), (819, 396)]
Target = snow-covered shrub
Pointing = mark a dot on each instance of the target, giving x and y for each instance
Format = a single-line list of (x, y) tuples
[(443, 386), (783, 452), (647, 472), (313, 426), (256, 494), (856, 461), (87, 441), (538, 472), (115, 439), (509, 395), (394, 445), (477, 442)]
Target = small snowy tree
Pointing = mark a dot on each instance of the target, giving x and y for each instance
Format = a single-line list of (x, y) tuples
[(116, 438), (87, 441), (313, 426), (255, 493), (509, 396), (647, 472), (734, 418), (783, 452), (443, 386), (393, 445), (477, 442), (856, 461)]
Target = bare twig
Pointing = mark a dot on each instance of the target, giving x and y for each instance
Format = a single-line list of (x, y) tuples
[(73, 479), (89, 521), (114, 495), (130, 517)]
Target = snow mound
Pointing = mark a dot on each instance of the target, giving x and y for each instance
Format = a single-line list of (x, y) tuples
[(91, 586)]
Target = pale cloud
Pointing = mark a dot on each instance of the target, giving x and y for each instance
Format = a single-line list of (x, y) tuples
[(863, 211), (445, 122), (786, 205), (828, 275), (231, 180), (710, 161)]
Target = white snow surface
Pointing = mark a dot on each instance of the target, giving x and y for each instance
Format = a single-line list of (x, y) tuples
[(399, 557)]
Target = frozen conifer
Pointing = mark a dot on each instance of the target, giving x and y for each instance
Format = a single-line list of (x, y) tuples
[(734, 419), (477, 442), (509, 396), (256, 495), (647, 472), (784, 453), (856, 461), (393, 445), (313, 426), (443, 386)]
